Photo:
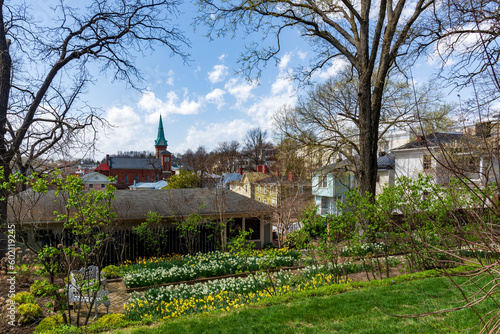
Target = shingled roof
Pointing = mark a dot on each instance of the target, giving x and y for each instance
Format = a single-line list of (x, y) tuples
[(433, 140), (134, 205)]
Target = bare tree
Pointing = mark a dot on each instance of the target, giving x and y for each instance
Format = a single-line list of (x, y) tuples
[(197, 161), (327, 118), (257, 147), (227, 155), (370, 35), (45, 69)]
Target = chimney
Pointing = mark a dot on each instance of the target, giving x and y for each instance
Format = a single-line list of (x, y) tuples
[(421, 138), (240, 171), (264, 169), (259, 169), (107, 159), (290, 176)]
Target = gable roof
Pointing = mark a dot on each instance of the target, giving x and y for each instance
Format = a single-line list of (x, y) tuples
[(228, 177), (433, 140), (134, 205), (253, 176), (94, 177), (386, 161), (134, 163)]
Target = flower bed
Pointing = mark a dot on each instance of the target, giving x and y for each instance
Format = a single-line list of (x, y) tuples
[(225, 294), (169, 270)]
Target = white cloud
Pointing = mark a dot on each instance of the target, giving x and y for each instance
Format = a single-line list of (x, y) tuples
[(125, 132), (281, 84), (170, 78), (210, 135), (222, 57), (284, 61), (335, 67), (150, 103), (302, 55), (262, 112), (218, 74), (217, 97), (242, 91)]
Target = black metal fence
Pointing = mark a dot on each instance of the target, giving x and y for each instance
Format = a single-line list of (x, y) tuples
[(125, 245)]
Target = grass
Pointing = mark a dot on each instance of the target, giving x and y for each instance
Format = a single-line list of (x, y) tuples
[(350, 312)]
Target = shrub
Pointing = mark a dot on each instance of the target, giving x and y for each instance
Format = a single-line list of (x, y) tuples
[(297, 239), (111, 271), (270, 245), (24, 298), (109, 321), (29, 312), (43, 288), (49, 323)]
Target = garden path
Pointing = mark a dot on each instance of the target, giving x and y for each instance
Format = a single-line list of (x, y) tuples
[(118, 297)]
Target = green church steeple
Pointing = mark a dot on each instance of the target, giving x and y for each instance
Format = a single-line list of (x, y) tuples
[(160, 139)]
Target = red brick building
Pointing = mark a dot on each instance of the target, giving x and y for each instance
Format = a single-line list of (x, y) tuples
[(129, 170)]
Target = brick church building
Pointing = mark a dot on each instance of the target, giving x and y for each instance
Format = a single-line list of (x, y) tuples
[(130, 170)]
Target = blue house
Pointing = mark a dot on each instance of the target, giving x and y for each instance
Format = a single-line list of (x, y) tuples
[(331, 183)]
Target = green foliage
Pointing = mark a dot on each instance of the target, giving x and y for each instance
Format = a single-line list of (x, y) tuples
[(151, 232), (183, 179), (108, 322), (49, 323), (189, 230), (111, 271), (29, 312), (24, 298), (312, 223), (43, 288), (297, 239)]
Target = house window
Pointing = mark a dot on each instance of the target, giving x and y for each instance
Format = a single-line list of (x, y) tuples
[(103, 185), (166, 159), (265, 201), (274, 201), (126, 178), (427, 162), (136, 178), (271, 190), (323, 181), (258, 188), (325, 205), (259, 199), (246, 188), (91, 185), (265, 189), (147, 178)]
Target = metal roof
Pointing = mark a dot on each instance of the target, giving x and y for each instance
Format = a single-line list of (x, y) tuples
[(134, 163)]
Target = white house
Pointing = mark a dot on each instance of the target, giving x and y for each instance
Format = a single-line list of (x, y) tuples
[(95, 180)]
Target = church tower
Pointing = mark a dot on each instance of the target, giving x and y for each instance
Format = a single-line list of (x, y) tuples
[(162, 153)]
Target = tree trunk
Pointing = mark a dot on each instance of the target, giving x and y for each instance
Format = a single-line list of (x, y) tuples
[(5, 70)]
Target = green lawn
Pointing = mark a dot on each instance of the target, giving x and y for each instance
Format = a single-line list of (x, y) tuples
[(350, 312)]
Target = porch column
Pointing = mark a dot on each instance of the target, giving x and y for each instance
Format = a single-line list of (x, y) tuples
[(262, 221)]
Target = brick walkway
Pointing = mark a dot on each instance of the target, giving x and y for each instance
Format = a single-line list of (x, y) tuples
[(118, 297)]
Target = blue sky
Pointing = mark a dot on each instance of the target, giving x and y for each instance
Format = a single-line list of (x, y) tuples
[(203, 102)]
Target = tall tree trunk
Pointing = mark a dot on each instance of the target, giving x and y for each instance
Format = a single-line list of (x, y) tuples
[(5, 71)]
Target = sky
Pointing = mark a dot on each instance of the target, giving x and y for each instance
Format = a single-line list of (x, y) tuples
[(203, 102)]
